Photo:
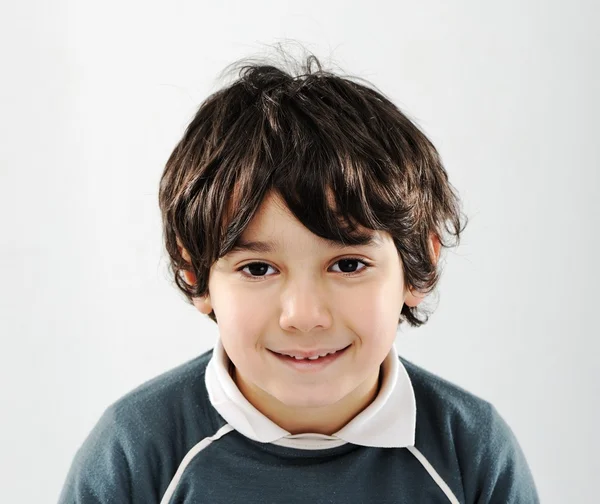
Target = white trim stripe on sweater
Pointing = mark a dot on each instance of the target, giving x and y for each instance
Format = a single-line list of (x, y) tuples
[(228, 428), (433, 473), (188, 458)]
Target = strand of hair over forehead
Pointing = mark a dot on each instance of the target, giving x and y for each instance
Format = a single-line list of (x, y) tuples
[(273, 82)]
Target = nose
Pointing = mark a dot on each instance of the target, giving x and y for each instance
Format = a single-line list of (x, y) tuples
[(305, 306)]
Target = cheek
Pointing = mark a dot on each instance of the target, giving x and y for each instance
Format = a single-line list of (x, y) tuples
[(373, 317), (242, 319), (376, 306)]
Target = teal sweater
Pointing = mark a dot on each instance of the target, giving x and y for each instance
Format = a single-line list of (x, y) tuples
[(181, 438)]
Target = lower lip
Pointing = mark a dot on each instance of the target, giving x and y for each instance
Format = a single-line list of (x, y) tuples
[(310, 365)]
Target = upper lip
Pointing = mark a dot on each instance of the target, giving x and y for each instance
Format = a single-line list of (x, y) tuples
[(306, 354)]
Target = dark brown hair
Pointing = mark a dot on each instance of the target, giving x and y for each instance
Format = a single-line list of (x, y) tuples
[(338, 152)]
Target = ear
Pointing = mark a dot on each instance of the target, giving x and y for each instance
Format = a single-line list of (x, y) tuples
[(434, 247), (413, 297), (202, 304)]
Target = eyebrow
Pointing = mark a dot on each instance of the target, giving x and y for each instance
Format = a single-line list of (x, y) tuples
[(266, 247)]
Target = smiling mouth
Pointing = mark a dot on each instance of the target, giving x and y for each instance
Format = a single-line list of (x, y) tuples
[(312, 358), (313, 364)]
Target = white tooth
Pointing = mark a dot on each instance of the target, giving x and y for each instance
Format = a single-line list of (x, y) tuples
[(314, 358), (297, 358)]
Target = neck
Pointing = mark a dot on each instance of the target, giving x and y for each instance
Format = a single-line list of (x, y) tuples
[(325, 420)]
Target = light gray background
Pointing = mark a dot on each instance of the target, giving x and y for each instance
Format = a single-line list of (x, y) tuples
[(94, 96)]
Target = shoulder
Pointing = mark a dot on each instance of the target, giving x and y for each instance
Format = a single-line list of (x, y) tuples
[(166, 390), (444, 401), (465, 436), (171, 411), (142, 438)]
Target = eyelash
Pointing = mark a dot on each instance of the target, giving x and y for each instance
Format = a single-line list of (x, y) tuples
[(367, 265)]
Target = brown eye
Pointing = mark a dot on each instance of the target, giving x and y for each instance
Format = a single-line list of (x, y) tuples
[(349, 264), (256, 269)]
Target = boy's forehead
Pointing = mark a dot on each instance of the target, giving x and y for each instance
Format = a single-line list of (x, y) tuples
[(271, 202), (258, 236), (269, 246), (273, 205)]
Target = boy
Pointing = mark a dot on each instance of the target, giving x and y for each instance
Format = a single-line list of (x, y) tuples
[(304, 214)]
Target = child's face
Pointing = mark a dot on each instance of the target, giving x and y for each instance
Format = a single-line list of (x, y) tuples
[(299, 299)]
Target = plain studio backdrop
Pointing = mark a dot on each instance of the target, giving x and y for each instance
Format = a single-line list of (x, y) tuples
[(94, 97)]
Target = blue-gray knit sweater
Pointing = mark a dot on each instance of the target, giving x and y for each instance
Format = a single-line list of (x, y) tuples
[(188, 436)]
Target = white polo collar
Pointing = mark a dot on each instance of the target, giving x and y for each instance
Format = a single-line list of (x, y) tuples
[(388, 422)]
